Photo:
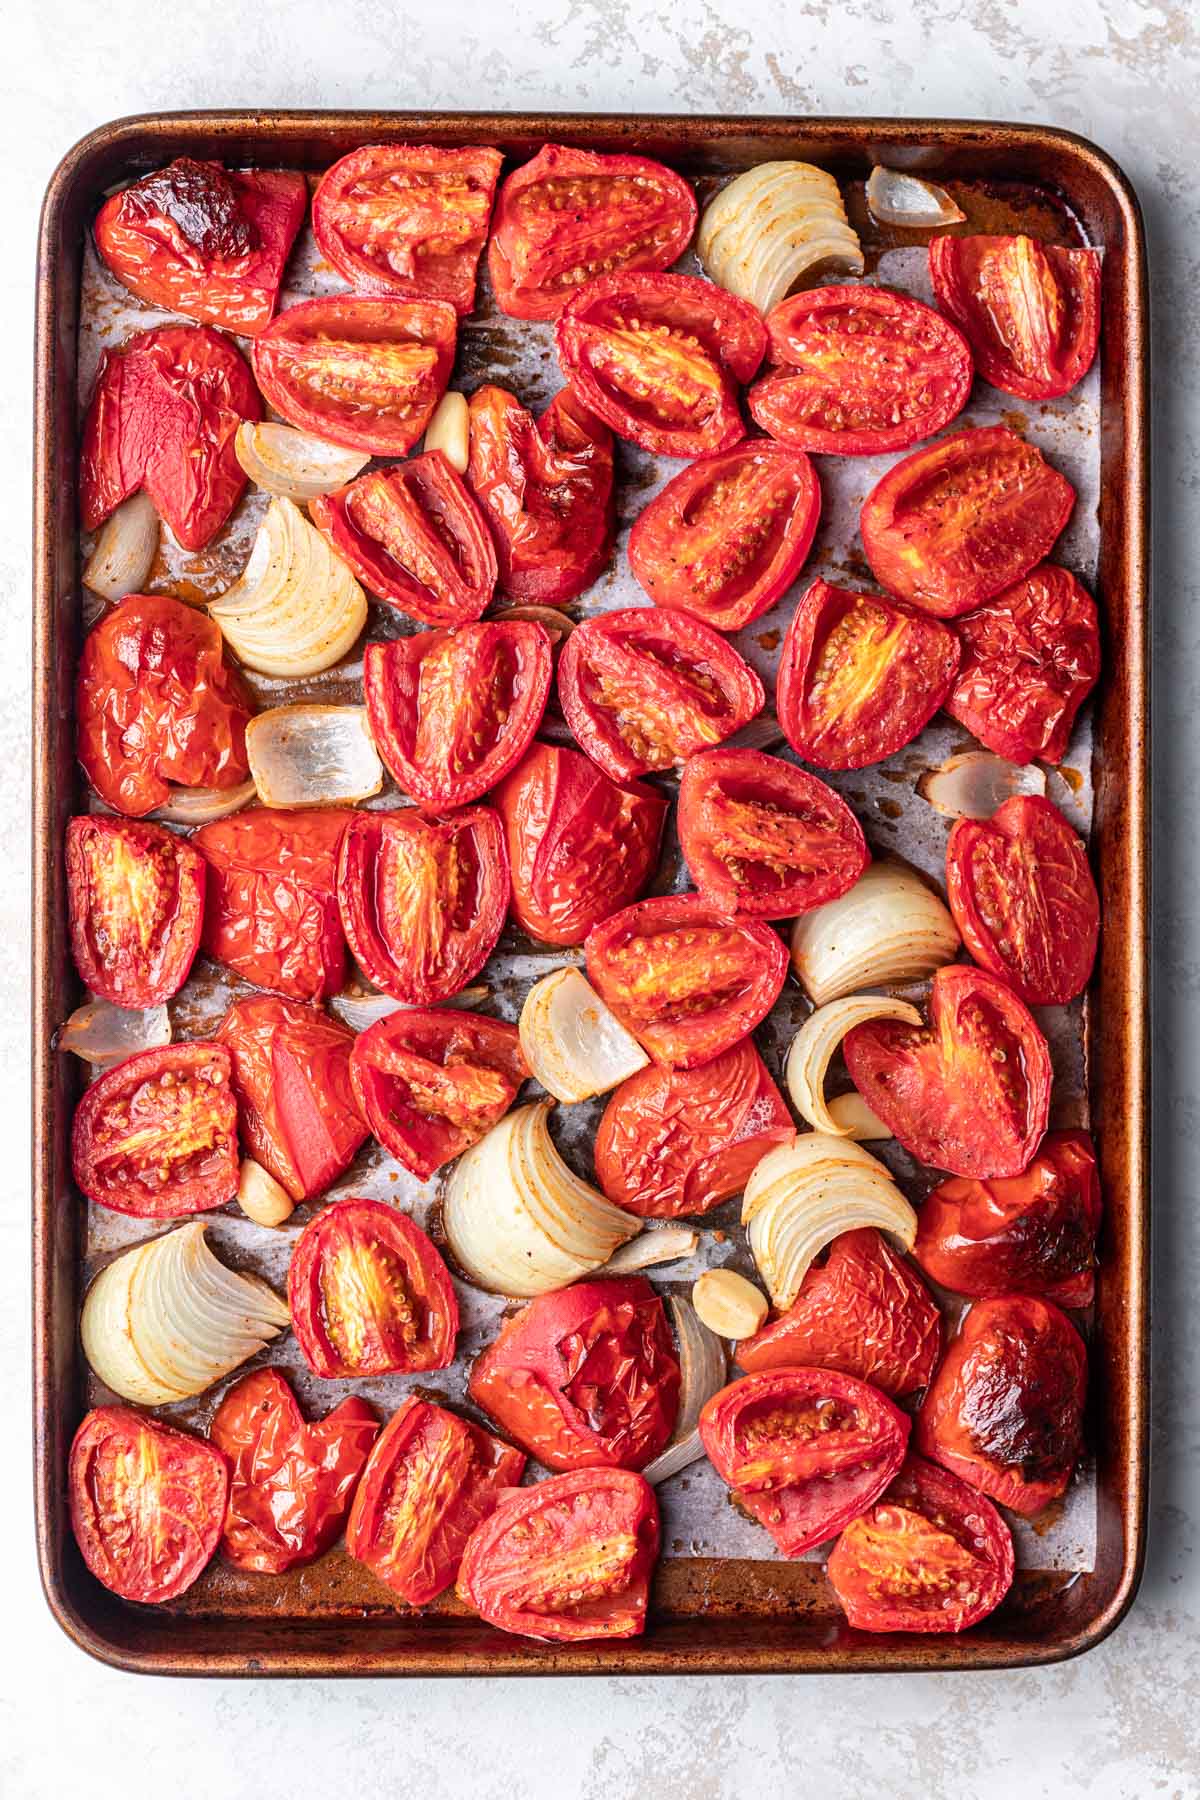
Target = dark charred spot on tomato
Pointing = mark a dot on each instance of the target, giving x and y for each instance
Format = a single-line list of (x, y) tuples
[(202, 201), (1020, 1404)]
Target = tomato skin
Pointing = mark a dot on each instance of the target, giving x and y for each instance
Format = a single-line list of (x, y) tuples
[(1030, 311), (135, 895), (176, 1105), (558, 216), (147, 1503), (1005, 1410), (963, 519), (864, 1312), (860, 675), (762, 838), (291, 1484), (845, 360)]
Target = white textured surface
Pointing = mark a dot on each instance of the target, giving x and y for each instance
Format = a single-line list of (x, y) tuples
[(1122, 1722)]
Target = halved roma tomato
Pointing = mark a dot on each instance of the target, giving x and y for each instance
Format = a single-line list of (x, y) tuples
[(1023, 898), (1031, 1234), (408, 219), (431, 1083), (432, 1478), (1031, 311), (136, 898), (1005, 1410), (423, 900), (147, 1502), (579, 845), (296, 1105), (369, 1294), (855, 371), (860, 675), (687, 980), (291, 1483), (156, 1136), (366, 373), (414, 536), (659, 357), (452, 712), (964, 518), (930, 1555), (729, 535), (804, 1450), (570, 214), (969, 1092), (643, 688), (156, 703), (864, 1311), (673, 1141), (567, 1559)]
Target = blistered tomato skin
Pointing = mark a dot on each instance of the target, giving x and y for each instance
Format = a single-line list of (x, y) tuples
[(156, 1136), (135, 895), (1030, 311)]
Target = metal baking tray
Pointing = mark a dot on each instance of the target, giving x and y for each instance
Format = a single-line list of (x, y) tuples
[(709, 1614)]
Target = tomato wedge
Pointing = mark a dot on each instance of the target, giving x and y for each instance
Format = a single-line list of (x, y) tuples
[(570, 214), (1030, 311), (432, 1083), (156, 1136), (970, 1092), (855, 371), (963, 519), (452, 712), (659, 357), (642, 689), (135, 895), (366, 373), (860, 675), (369, 1294)]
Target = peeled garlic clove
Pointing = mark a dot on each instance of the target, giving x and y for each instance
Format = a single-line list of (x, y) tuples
[(449, 430), (294, 463), (895, 198), (125, 549), (311, 755), (853, 1118), (261, 1197), (104, 1034), (729, 1304), (647, 1251), (973, 784)]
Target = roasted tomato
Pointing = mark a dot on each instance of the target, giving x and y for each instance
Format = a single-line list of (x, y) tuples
[(156, 703), (864, 1311), (205, 241), (452, 712), (579, 845), (659, 357), (163, 416), (1030, 311), (1023, 898), (729, 535), (930, 1555), (567, 1559), (762, 837), (414, 536), (546, 486), (674, 1141), (291, 1483), (1005, 1410), (584, 1378), (136, 899), (1030, 658), (642, 689), (964, 518), (1031, 1234), (804, 1450), (147, 1502), (432, 1083), (296, 1105), (860, 675), (859, 370), (370, 1295), (570, 214), (684, 978), (366, 373), (970, 1092), (156, 1136), (423, 900), (432, 1478), (408, 219), (271, 912)]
